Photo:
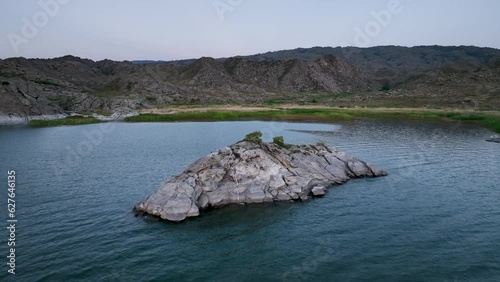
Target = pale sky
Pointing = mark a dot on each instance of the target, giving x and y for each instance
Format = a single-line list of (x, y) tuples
[(182, 29)]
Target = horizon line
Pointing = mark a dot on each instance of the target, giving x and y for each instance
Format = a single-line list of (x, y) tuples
[(246, 55)]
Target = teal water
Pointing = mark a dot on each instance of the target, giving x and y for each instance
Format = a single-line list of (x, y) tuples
[(436, 217)]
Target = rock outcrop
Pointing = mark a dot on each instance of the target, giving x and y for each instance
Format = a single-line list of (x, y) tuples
[(495, 138), (464, 77), (254, 172)]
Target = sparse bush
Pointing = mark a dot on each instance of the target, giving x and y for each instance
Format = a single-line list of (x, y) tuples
[(57, 100), (280, 141), (321, 143), (151, 98), (130, 85), (385, 86), (254, 137), (271, 102), (5, 83), (72, 120)]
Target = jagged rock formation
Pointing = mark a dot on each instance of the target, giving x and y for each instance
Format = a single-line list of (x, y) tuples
[(249, 172), (430, 76), (70, 84)]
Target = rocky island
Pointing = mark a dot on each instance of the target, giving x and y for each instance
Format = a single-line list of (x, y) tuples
[(251, 171)]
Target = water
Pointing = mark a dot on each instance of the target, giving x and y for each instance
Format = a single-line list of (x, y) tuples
[(436, 217)]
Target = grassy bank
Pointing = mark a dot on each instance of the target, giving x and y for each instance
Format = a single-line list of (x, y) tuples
[(271, 114), (492, 120), (493, 123), (73, 120), (489, 119)]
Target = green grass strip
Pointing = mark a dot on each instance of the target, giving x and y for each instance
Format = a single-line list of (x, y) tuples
[(492, 121), (73, 120)]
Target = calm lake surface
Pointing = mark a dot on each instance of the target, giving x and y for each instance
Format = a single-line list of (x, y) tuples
[(436, 217)]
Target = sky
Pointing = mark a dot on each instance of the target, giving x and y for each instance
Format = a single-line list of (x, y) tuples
[(183, 29)]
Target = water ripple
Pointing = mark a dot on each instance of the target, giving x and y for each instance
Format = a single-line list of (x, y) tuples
[(435, 217)]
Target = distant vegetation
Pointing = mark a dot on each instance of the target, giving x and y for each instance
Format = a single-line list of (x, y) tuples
[(57, 100), (281, 114), (493, 123), (111, 90), (73, 120), (272, 102), (490, 120), (321, 143), (280, 141), (385, 86), (151, 99)]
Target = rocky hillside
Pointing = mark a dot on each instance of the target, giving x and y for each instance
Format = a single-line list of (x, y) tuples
[(428, 76), (71, 84), (393, 65)]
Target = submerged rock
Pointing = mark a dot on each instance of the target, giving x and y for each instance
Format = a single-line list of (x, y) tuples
[(248, 172), (495, 138)]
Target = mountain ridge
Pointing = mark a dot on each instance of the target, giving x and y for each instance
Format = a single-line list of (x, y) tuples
[(437, 75)]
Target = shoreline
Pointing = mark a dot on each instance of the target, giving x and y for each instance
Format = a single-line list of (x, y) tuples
[(61, 119), (290, 112), (7, 120)]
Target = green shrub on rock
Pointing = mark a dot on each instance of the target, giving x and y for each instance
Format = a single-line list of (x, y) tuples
[(321, 143), (278, 140), (254, 137)]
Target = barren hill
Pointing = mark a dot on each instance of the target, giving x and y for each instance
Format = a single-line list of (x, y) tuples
[(419, 76)]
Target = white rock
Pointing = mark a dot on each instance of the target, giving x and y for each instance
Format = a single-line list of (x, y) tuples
[(318, 191), (253, 173)]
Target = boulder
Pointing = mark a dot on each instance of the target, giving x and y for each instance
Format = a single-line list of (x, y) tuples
[(494, 138), (318, 191)]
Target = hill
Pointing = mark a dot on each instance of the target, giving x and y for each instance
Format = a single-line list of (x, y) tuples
[(432, 76)]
